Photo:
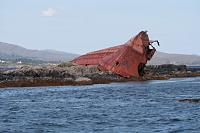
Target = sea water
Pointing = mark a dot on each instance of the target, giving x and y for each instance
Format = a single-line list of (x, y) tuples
[(131, 107)]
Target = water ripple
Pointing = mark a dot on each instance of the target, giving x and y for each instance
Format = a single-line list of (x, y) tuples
[(147, 107)]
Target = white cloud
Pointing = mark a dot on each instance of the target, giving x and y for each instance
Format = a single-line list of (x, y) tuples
[(49, 12)]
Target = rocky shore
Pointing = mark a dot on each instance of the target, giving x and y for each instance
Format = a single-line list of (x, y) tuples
[(72, 74)]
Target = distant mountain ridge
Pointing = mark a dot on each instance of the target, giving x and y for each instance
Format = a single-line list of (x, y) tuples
[(11, 51), (15, 52), (177, 59)]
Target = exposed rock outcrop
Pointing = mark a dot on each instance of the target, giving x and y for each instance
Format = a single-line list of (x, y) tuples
[(191, 100), (73, 74), (167, 71)]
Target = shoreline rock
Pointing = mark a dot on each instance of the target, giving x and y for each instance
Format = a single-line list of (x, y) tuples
[(190, 100), (73, 74)]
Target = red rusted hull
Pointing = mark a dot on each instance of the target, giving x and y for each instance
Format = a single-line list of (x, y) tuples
[(126, 60)]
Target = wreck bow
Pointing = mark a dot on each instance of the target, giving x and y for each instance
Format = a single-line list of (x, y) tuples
[(127, 60)]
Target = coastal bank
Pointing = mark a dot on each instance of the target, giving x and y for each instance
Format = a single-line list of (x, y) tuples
[(72, 74)]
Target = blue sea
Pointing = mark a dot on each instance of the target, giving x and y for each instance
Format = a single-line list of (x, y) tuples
[(131, 107)]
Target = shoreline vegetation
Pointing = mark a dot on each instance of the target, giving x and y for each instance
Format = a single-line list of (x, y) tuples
[(73, 74)]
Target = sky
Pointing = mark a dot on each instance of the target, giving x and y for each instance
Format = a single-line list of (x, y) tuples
[(81, 26)]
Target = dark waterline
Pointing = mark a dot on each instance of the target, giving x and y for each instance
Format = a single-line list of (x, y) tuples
[(109, 108)]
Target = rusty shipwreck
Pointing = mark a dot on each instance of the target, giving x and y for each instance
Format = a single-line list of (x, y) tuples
[(127, 60)]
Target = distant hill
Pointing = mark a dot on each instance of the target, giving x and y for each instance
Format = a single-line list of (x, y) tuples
[(11, 51), (165, 58), (15, 52)]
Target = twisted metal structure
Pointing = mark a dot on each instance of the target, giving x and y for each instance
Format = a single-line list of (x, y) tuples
[(127, 60)]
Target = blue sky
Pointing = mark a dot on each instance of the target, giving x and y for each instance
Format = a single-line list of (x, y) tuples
[(80, 26)]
